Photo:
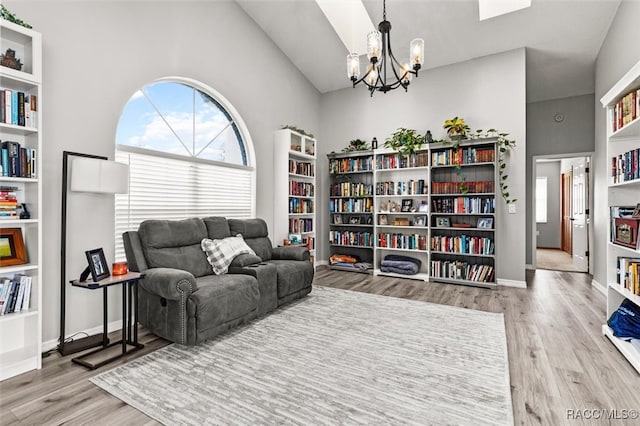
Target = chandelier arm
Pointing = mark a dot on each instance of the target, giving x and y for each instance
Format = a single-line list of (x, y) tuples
[(393, 59), (362, 79)]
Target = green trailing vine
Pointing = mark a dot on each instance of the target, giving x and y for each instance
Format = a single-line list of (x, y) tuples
[(296, 129), (405, 141), (8, 16)]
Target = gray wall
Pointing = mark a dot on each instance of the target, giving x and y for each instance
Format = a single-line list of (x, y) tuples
[(487, 92), (96, 55), (545, 136), (549, 232), (619, 52)]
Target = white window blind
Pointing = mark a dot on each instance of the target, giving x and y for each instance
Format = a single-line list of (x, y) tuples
[(161, 187), (541, 199)]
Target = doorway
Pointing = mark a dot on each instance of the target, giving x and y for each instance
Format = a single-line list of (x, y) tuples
[(561, 213)]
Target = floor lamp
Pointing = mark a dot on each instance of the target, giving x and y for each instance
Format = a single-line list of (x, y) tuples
[(94, 174)]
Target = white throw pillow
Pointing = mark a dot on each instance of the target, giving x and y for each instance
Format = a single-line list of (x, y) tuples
[(220, 253)]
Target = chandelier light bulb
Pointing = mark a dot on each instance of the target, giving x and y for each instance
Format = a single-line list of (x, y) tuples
[(374, 44), (353, 66), (372, 76), (405, 75), (417, 51)]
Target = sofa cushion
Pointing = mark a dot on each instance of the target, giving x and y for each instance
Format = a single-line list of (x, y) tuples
[(293, 276), (217, 227), (220, 253), (222, 298), (175, 244), (255, 234)]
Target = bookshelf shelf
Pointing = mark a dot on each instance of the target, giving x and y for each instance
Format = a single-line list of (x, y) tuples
[(623, 148), (453, 253), (294, 171)]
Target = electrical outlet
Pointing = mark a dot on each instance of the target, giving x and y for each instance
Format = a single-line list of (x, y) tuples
[(512, 208)]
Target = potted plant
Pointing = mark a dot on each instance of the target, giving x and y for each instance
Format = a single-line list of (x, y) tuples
[(356, 145), (405, 141), (456, 128)]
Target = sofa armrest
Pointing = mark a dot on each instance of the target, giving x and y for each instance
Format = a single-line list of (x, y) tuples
[(290, 253), (172, 284)]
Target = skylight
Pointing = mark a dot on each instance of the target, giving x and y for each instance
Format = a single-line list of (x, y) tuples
[(351, 22), (492, 8)]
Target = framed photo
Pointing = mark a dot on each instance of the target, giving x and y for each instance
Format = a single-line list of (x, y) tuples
[(97, 264), (354, 220), (423, 207), (420, 221), (382, 219), (407, 205), (337, 219), (485, 223), (370, 220), (295, 238), (12, 251), (443, 222), (636, 212)]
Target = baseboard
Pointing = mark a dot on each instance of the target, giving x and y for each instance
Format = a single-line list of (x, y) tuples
[(529, 267), (602, 289), (512, 283), (112, 326), (322, 263)]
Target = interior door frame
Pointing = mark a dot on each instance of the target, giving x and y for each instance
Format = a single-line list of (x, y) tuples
[(566, 246), (532, 202)]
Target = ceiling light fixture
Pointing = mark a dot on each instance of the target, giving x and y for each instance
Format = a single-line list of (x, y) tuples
[(381, 59)]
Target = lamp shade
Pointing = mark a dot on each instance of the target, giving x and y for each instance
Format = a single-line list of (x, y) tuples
[(100, 176)]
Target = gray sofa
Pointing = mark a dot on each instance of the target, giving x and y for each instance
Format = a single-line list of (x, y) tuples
[(181, 300)]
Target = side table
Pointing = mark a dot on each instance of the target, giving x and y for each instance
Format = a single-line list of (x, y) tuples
[(129, 284)]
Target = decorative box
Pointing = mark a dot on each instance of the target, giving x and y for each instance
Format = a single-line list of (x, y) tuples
[(626, 232)]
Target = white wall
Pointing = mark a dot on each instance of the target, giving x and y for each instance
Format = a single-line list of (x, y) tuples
[(619, 52), (487, 92), (96, 55), (549, 232)]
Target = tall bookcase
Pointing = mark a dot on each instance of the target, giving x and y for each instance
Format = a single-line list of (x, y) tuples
[(351, 194), (623, 150), (294, 156), (21, 332), (436, 206)]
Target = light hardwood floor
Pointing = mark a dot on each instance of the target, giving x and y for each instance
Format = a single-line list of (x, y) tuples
[(558, 358)]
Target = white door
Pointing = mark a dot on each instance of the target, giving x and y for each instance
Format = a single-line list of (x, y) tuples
[(579, 217)]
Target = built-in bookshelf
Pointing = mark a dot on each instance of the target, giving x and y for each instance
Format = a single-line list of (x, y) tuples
[(20, 201), (351, 192), (622, 103), (294, 173)]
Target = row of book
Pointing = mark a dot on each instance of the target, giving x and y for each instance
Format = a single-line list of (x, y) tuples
[(458, 270), (350, 165), (18, 108), (625, 110), (458, 156), (463, 244), (411, 187), (625, 167), (18, 161), (351, 238), (8, 202), (402, 241), (628, 275), (15, 294), (351, 189), (479, 187), (351, 205), (302, 189), (397, 161), (298, 225), (297, 205), (303, 168), (474, 205)]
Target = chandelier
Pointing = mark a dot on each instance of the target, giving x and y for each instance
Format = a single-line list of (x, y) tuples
[(385, 72)]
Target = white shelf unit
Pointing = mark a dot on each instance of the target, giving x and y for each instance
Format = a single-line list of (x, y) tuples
[(351, 207), (620, 141), (21, 332), (294, 158), (399, 181)]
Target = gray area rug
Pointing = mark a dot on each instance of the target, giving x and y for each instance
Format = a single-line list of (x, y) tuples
[(334, 357)]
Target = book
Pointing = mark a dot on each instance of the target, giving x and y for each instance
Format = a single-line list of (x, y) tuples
[(13, 153), (20, 296), (20, 105), (7, 106), (27, 295)]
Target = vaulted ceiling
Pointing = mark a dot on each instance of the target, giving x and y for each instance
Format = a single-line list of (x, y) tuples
[(562, 37)]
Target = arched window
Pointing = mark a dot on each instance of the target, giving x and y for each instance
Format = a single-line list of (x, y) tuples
[(189, 155)]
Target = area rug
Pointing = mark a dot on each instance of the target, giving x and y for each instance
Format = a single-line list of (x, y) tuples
[(334, 357)]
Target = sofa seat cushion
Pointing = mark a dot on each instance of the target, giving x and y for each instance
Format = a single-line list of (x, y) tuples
[(222, 298), (293, 276)]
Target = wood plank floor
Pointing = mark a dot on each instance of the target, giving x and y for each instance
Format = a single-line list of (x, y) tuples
[(558, 358)]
